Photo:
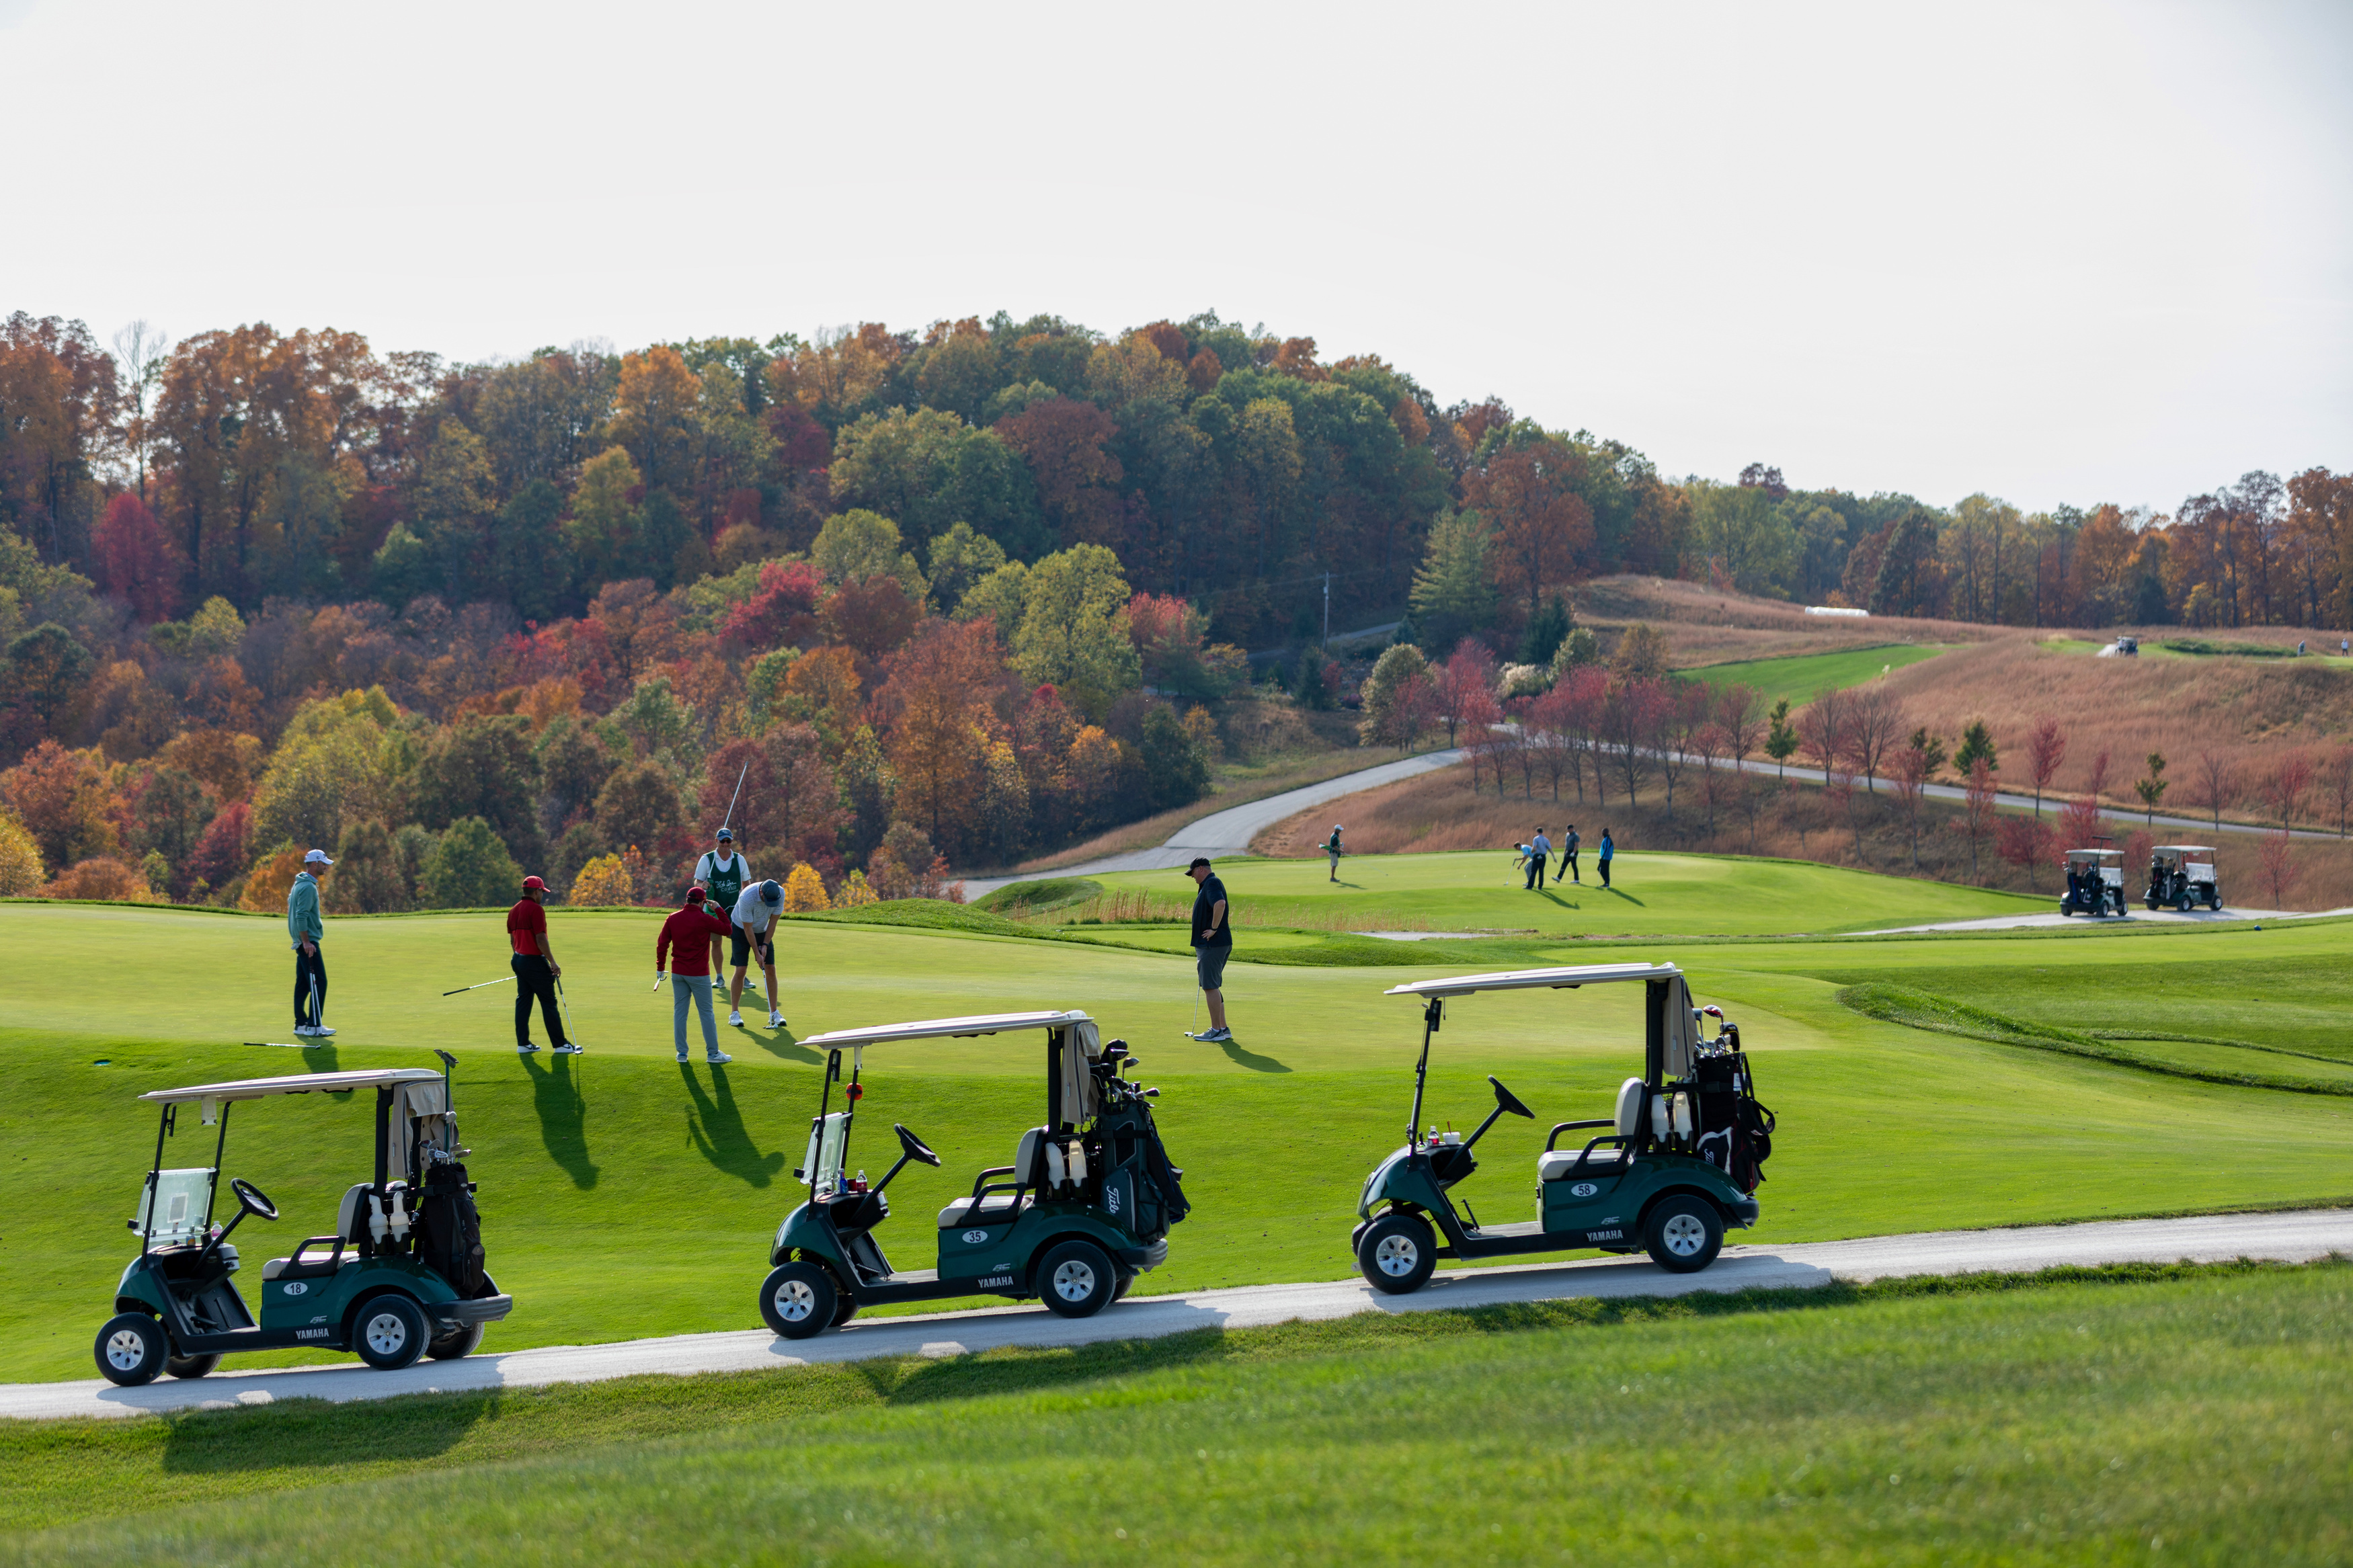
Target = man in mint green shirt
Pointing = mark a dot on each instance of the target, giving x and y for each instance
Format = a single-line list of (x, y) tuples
[(302, 924)]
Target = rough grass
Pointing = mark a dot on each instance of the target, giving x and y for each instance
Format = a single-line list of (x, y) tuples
[(2164, 1415)]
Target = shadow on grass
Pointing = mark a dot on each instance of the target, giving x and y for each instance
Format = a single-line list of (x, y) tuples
[(1621, 893), (782, 1044), (1251, 1060), (716, 1125), (1555, 897), (302, 1435), (555, 1095)]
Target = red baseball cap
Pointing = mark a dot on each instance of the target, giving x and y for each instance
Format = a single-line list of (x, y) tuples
[(533, 885), (694, 895)]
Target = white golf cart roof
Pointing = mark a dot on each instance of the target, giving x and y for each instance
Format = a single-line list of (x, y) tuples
[(1525, 979), (944, 1028), (2103, 856), (298, 1083), (2206, 849)]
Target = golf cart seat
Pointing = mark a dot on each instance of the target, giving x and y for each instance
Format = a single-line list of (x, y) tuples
[(1554, 1164), (987, 1207), (350, 1222)]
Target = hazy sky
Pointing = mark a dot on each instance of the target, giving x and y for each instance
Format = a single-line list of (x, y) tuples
[(2054, 252)]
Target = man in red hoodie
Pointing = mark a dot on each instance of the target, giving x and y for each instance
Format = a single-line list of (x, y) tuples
[(686, 941)]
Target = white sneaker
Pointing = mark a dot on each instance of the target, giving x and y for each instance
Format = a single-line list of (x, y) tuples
[(304, 1029), (569, 1048), (735, 1018), (721, 1060), (776, 1020), (527, 1048), (320, 1029)]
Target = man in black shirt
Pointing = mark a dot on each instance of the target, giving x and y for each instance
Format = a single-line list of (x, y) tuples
[(1213, 943)]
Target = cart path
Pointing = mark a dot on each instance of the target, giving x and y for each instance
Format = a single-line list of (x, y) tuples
[(2297, 1236), (1229, 832), (2131, 916)]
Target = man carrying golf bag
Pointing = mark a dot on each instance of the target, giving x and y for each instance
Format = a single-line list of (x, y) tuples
[(535, 969), (302, 924)]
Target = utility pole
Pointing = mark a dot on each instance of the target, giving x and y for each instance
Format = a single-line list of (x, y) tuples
[(1327, 611)]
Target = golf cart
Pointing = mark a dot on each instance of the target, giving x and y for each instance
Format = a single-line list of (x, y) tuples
[(1085, 1207), (399, 1276), (2180, 875), (2095, 883), (1676, 1165)]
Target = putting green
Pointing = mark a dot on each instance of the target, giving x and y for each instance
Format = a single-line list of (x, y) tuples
[(1652, 895), (1801, 676), (623, 1195)]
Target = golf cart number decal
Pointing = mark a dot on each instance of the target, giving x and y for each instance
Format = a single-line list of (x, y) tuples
[(975, 1238), (1605, 1235), (1583, 1190), (297, 1289), (998, 1279), (309, 1333)]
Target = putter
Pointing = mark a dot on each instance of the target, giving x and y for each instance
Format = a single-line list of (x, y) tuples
[(572, 1035), (278, 1044), (463, 989)]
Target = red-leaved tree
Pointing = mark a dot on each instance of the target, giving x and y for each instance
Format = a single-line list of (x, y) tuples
[(134, 561), (2025, 842)]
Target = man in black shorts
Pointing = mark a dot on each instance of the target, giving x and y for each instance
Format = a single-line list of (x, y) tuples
[(1213, 943)]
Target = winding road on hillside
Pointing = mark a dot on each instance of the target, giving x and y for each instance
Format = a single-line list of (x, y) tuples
[(2295, 1236)]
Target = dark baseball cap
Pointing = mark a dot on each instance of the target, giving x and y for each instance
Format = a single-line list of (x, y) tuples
[(1198, 862), (728, 834), (771, 894)]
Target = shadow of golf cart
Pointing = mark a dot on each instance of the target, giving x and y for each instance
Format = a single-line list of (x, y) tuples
[(400, 1277), (1082, 1210), (2181, 875), (2095, 883), (1674, 1166)]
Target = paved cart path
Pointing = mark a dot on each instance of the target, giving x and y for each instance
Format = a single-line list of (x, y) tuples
[(2295, 1236)]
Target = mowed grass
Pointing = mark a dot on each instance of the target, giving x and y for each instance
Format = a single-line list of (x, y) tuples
[(624, 1197), (2166, 1415), (1801, 676), (1652, 895)]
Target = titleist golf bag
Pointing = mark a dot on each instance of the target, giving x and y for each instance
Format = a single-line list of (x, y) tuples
[(452, 1238)]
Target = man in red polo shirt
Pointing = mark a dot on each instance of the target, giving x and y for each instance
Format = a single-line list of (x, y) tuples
[(535, 969), (686, 942)]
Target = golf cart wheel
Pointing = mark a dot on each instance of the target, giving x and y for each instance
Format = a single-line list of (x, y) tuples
[(1076, 1278), (191, 1366), (845, 1310), (1397, 1253), (131, 1349), (1127, 1279), (1683, 1234), (457, 1344), (390, 1331), (799, 1300)]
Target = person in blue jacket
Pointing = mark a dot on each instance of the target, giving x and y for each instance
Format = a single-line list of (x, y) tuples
[(1606, 853)]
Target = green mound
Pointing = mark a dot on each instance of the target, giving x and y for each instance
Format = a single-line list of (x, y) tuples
[(1041, 897), (1799, 676), (925, 914)]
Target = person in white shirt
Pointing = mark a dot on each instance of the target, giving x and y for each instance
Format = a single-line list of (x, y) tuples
[(724, 873), (755, 933)]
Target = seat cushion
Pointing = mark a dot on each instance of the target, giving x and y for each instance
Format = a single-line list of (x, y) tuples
[(996, 1208), (274, 1268), (1553, 1165)]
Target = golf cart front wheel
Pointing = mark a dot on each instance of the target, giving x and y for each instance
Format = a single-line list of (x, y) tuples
[(457, 1344), (191, 1366), (799, 1300), (1076, 1279), (1397, 1253), (390, 1332), (1683, 1234), (131, 1349)]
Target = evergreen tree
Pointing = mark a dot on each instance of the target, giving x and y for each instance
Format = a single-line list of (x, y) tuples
[(1454, 592), (1976, 742), (1546, 630)]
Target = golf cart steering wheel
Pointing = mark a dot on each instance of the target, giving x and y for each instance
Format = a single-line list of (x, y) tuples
[(1506, 1100), (252, 1199), (913, 1145)]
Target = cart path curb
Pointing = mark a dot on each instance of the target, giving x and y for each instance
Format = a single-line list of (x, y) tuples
[(2294, 1236)]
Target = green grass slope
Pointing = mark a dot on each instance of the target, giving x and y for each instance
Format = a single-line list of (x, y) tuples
[(2163, 1415), (1799, 676), (1652, 895)]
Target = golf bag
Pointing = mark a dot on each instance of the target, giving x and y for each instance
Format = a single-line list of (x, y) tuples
[(1736, 1129), (451, 1239), (1163, 1175)]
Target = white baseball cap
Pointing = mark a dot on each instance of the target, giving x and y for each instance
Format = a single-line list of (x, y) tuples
[(317, 858)]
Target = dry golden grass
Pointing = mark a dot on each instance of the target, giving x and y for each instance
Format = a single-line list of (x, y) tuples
[(1438, 811)]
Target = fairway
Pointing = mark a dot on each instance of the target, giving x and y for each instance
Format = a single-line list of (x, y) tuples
[(1652, 895), (625, 1197), (1801, 676)]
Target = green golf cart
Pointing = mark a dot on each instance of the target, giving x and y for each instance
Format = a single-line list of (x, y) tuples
[(400, 1276), (1082, 1210), (1669, 1172)]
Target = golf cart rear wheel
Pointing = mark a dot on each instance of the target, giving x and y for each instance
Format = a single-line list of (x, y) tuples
[(1683, 1234), (1076, 1279), (131, 1349), (799, 1300), (1127, 1279), (845, 1309), (191, 1366), (1397, 1253), (390, 1332), (457, 1344)]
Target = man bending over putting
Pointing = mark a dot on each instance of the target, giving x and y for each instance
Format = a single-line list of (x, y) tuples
[(755, 934)]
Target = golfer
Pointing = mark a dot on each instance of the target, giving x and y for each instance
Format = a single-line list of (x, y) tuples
[(1606, 853), (1539, 847), (535, 969), (1213, 943), (1569, 856), (687, 940), (1332, 849), (303, 925), (722, 872), (755, 933)]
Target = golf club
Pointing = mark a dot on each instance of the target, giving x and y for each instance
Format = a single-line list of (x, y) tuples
[(280, 1045), (729, 823), (463, 989), (571, 1035)]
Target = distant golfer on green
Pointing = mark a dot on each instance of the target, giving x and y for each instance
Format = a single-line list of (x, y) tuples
[(1332, 849), (302, 924), (535, 969), (687, 941), (1213, 943), (756, 938), (722, 872), (1606, 853)]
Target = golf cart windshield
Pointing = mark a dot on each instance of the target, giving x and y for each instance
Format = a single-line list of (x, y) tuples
[(2104, 858), (2184, 854), (174, 1206)]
